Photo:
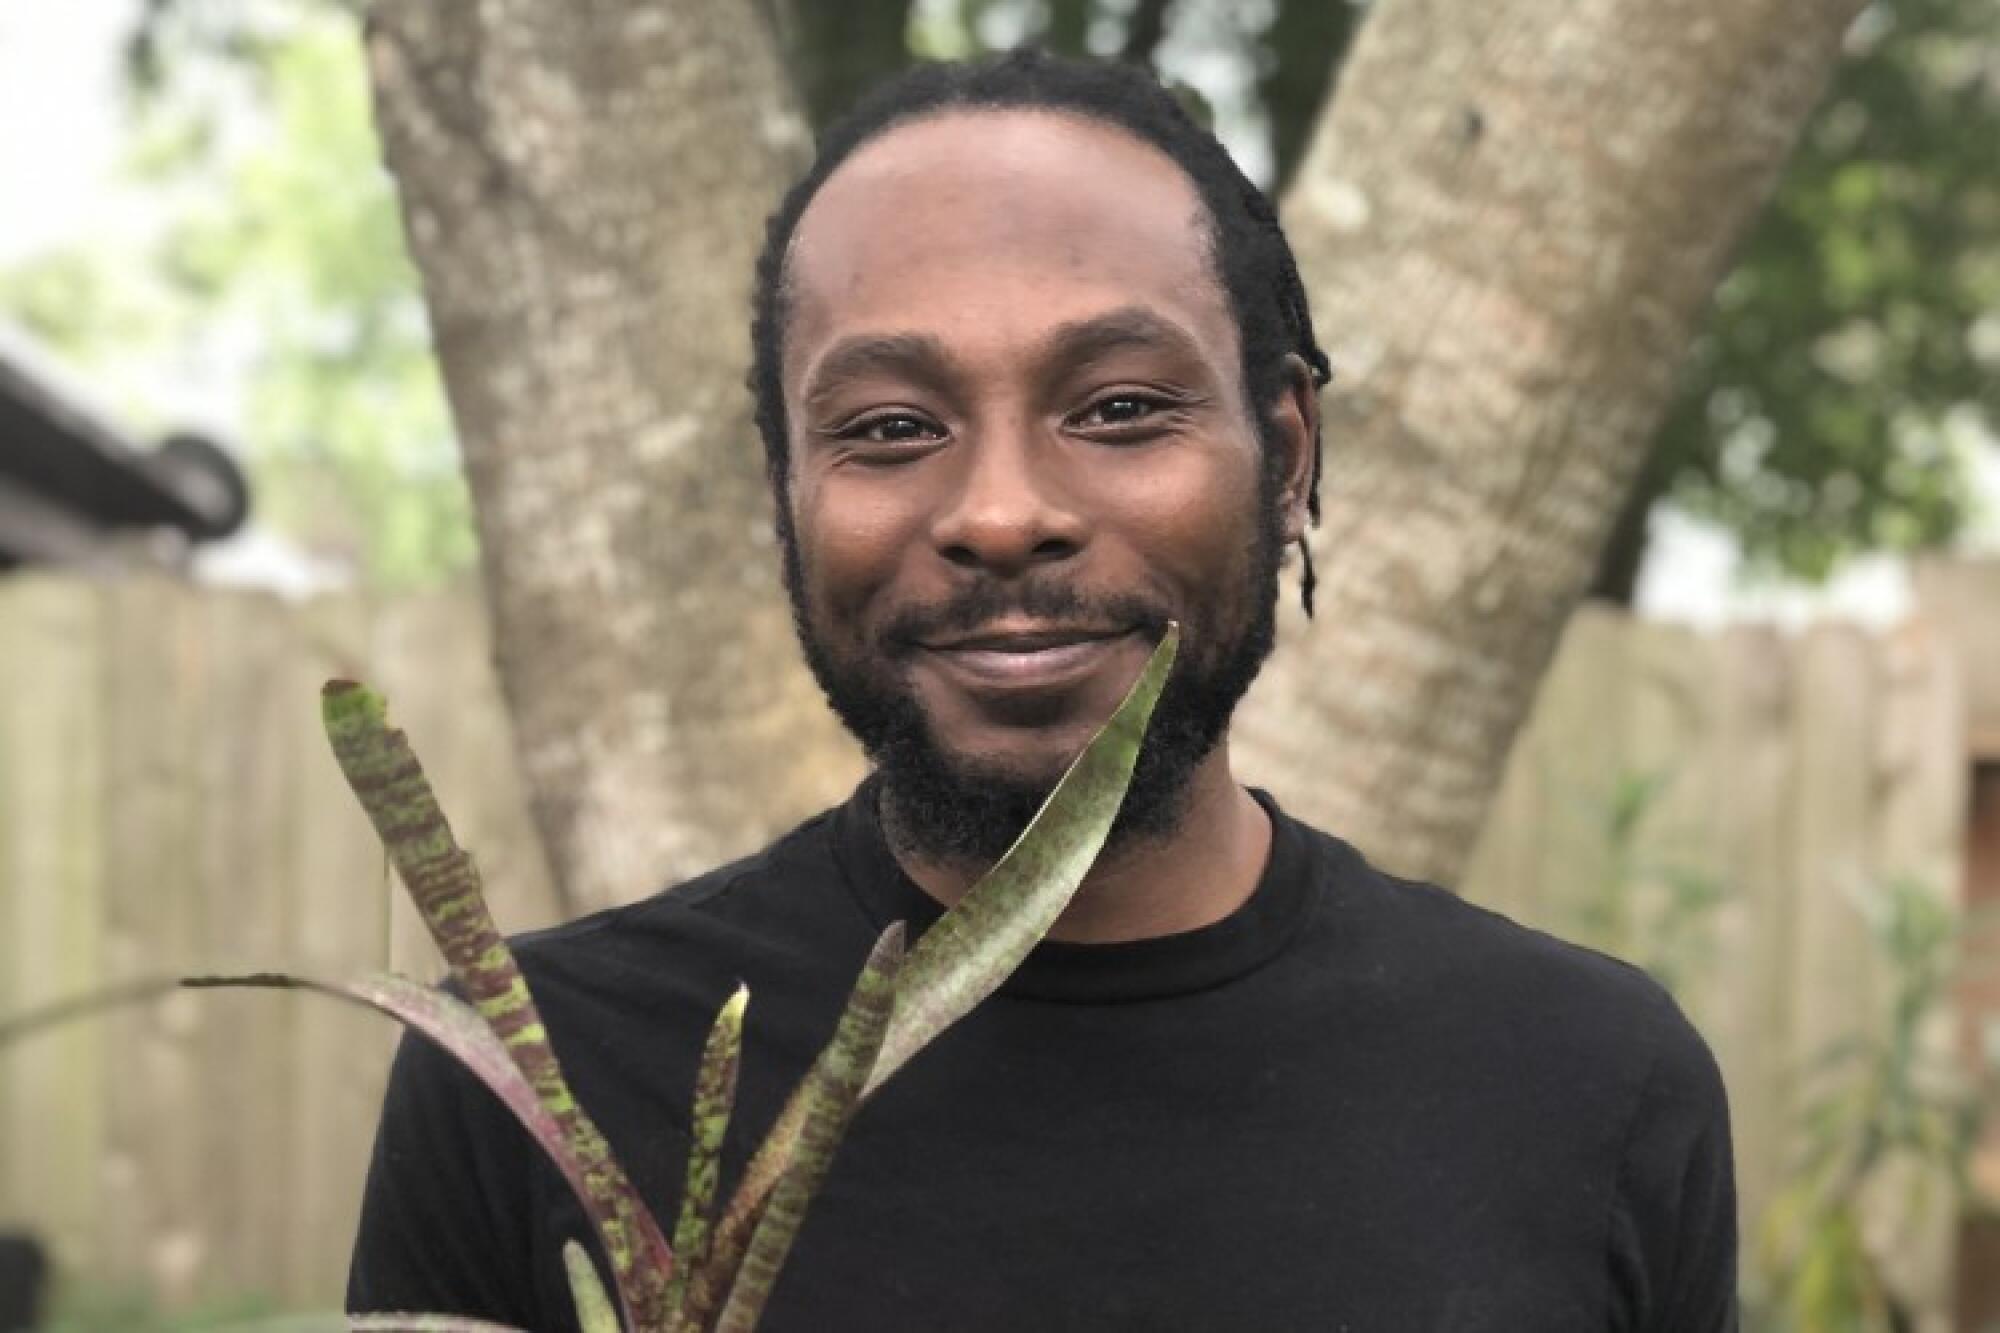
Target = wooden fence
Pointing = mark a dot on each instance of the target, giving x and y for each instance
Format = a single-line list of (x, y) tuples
[(166, 802), (1795, 779)]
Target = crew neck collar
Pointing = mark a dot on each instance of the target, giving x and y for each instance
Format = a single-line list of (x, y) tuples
[(1061, 970)]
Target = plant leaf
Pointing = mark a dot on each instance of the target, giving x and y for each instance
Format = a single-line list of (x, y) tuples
[(969, 951), (833, 1091), (443, 882), (593, 1307), (714, 1101), (456, 1027), (90, 1004), (976, 946), (423, 1323)]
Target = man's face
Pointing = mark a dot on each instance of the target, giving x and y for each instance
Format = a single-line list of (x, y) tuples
[(1019, 445)]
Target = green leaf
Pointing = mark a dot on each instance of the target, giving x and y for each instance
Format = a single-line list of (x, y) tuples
[(969, 951), (424, 1323), (714, 1100), (976, 946), (833, 1092), (389, 782), (593, 1307)]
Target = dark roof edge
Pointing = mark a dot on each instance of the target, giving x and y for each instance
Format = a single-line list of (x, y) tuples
[(160, 492)]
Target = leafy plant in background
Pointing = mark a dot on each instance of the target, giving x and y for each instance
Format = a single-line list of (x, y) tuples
[(1650, 912), (722, 1262), (120, 1310), (1874, 1104)]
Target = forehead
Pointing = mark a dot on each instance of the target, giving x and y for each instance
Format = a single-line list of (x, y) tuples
[(996, 223)]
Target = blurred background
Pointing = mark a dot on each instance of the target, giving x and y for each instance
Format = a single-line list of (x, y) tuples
[(1764, 762)]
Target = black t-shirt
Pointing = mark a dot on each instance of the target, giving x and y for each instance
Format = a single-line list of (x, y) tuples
[(1355, 1103)]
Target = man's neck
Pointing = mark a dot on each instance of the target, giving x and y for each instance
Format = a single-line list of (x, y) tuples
[(1205, 868)]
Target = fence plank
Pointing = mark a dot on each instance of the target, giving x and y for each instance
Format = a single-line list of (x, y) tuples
[(1835, 990), (1580, 737), (1919, 803), (248, 774), (1754, 963), (154, 666), (51, 882), (1673, 751)]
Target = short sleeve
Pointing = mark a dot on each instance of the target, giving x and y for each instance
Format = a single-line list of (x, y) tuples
[(1673, 1219), (447, 1200)]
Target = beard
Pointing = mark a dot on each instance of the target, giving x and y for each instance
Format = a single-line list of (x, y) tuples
[(956, 808)]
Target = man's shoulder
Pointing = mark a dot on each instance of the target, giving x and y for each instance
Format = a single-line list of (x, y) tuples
[(1484, 968)]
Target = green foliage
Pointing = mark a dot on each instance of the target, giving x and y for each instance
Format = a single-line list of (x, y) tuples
[(1877, 1111), (301, 242), (1652, 911), (102, 1309), (1829, 407), (1874, 1107), (281, 255)]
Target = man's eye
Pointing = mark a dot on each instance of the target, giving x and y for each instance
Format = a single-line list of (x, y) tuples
[(892, 428), (1123, 409), (1120, 409)]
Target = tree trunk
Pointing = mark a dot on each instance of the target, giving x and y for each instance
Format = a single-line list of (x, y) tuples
[(582, 188), (1510, 224)]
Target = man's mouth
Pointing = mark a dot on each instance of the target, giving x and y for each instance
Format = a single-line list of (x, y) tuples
[(1026, 655), (1023, 638)]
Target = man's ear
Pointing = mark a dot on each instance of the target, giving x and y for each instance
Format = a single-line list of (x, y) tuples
[(1294, 422)]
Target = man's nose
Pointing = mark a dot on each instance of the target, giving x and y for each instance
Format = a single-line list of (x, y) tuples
[(1009, 511)]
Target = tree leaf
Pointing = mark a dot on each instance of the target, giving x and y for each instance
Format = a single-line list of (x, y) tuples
[(593, 1307), (832, 1092), (389, 782), (969, 951), (714, 1100)]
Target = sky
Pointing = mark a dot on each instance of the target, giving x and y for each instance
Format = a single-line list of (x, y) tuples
[(61, 132)]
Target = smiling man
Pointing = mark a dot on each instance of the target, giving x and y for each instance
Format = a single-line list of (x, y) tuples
[(1035, 376)]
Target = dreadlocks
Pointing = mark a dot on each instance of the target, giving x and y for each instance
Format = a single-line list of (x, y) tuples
[(1250, 253)]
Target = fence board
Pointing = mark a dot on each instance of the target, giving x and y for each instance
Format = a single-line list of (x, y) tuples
[(1834, 865), (1921, 842), (1751, 836), (51, 877), (247, 777), (1578, 741), (154, 664)]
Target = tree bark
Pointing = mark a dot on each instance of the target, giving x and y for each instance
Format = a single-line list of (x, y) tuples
[(1510, 224), (582, 187)]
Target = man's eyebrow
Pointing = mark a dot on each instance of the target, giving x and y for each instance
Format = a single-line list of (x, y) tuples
[(1128, 326), (917, 354), (924, 356)]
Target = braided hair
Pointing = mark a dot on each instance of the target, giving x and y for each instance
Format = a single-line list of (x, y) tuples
[(1252, 258)]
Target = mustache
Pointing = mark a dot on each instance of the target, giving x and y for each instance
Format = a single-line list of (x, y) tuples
[(985, 602)]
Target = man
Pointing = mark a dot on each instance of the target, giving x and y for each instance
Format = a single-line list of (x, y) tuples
[(1036, 375)]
